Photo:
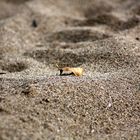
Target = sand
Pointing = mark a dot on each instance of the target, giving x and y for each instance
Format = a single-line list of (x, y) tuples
[(102, 37)]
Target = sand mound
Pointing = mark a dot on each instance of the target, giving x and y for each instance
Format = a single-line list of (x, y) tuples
[(101, 36)]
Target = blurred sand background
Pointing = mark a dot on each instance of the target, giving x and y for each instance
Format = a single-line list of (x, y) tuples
[(101, 36)]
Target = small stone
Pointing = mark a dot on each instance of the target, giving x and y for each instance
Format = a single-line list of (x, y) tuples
[(34, 23), (30, 91)]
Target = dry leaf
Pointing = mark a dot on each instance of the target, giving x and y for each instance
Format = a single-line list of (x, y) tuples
[(76, 71)]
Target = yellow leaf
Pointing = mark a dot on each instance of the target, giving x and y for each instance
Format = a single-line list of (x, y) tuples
[(77, 71)]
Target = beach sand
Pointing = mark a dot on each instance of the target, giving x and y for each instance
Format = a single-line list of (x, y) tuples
[(100, 36)]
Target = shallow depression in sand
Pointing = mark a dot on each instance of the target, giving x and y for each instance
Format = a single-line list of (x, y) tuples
[(111, 21), (74, 36), (13, 66)]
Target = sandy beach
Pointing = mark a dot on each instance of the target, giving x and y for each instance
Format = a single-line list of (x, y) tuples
[(100, 36)]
